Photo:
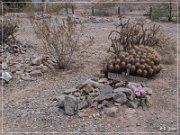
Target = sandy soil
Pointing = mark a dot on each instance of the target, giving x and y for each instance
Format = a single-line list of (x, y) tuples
[(28, 106)]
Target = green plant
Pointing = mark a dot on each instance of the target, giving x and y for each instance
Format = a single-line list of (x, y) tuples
[(160, 10), (15, 3), (54, 8), (60, 40)]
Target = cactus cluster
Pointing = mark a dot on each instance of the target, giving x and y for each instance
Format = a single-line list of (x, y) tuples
[(140, 60)]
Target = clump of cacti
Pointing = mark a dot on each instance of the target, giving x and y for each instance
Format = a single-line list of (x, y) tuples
[(143, 61)]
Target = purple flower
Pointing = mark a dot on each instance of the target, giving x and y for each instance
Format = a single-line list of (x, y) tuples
[(139, 91)]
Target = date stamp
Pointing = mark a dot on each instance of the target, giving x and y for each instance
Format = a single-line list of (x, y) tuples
[(168, 129)]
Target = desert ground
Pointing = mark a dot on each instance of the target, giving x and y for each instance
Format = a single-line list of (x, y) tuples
[(28, 106)]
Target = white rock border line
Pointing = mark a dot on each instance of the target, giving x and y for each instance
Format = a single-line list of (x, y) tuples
[(99, 132)]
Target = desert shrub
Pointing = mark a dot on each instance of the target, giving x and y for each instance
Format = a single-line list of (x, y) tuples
[(54, 8), (104, 9), (14, 5), (168, 49), (8, 30), (160, 10), (60, 40), (30, 9)]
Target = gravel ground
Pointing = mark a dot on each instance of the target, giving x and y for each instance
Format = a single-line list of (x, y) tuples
[(28, 106)]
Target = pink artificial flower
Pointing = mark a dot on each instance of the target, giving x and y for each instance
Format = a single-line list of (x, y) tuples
[(139, 91)]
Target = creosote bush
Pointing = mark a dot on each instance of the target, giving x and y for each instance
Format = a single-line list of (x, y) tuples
[(60, 40), (8, 30)]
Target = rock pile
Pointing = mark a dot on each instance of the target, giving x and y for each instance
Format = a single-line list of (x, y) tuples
[(104, 95), (28, 70)]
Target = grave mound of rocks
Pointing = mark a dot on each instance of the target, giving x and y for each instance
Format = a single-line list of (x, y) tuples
[(104, 95), (26, 70)]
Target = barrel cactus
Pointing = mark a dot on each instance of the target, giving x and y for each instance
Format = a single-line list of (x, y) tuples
[(142, 61)]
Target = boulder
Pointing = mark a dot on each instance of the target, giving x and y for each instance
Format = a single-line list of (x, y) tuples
[(70, 105)]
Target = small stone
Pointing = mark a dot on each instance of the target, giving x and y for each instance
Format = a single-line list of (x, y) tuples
[(38, 60), (117, 104), (138, 124), (111, 111), (94, 104), (127, 91), (28, 78), (120, 84), (82, 104), (77, 94), (30, 69), (15, 67), (44, 69), (92, 94), (148, 101), (105, 93), (19, 72), (133, 104), (68, 91), (120, 98), (131, 97), (6, 76), (105, 103), (81, 114), (132, 86), (4, 66), (70, 105), (60, 101), (99, 106), (103, 80), (103, 97), (36, 73), (148, 90), (93, 83), (87, 89)]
